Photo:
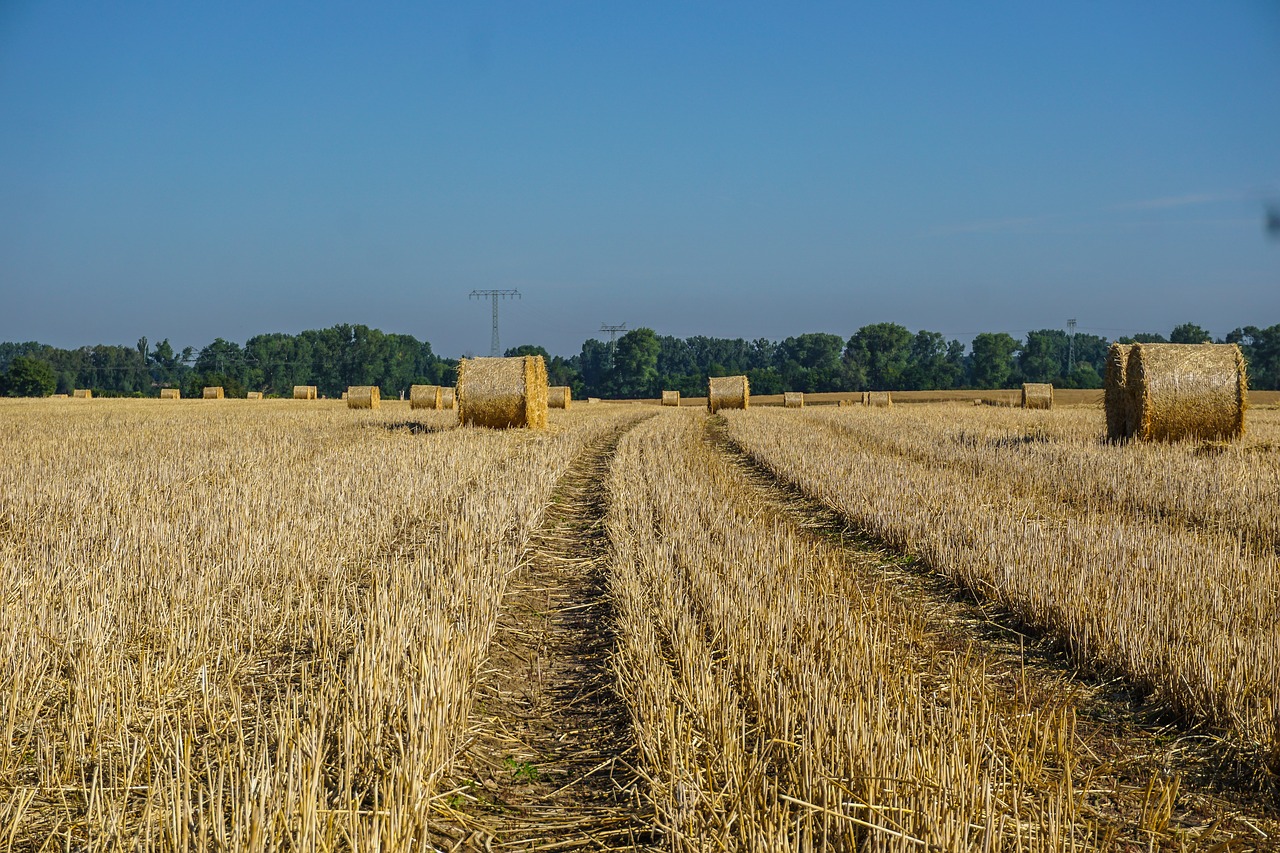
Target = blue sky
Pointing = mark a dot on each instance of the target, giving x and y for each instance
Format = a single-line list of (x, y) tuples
[(193, 170)]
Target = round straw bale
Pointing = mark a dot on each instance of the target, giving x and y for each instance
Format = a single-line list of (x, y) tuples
[(424, 396), (793, 399), (1037, 395), (728, 392), (253, 395), (447, 400), (170, 394), (503, 392), (364, 397), (559, 397), (213, 392), (671, 398), (304, 392), (82, 393), (593, 400), (1115, 394), (866, 398), (1181, 391), (59, 396), (880, 399)]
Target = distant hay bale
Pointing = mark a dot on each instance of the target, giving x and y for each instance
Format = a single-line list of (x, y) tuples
[(344, 395), (59, 396), (503, 392), (1037, 395), (880, 399), (1179, 391), (304, 392), (424, 396), (866, 398), (364, 397), (82, 393), (793, 400), (593, 400), (213, 392), (170, 394), (448, 397), (728, 392), (253, 395), (671, 398), (559, 397), (1115, 394)]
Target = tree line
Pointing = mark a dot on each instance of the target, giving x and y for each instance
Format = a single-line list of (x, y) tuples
[(640, 363)]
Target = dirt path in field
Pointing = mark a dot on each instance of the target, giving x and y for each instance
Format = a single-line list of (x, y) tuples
[(1139, 768), (549, 764)]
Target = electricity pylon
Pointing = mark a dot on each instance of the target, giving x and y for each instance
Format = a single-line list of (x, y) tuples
[(495, 349)]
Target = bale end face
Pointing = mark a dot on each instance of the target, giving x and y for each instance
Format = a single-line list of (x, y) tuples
[(728, 392), (503, 392), (559, 397), (364, 397), (1186, 391)]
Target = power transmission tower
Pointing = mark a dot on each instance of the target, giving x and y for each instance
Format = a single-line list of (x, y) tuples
[(613, 331), (495, 349), (1071, 345)]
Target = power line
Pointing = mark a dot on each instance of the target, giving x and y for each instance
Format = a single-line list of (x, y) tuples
[(613, 331), (495, 348)]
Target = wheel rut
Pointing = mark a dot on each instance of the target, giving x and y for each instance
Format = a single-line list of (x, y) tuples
[(549, 764), (1136, 750)]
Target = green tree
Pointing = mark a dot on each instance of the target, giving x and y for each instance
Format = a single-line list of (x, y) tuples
[(635, 362), (1189, 333), (1043, 357), (881, 353), (935, 363), (28, 377), (991, 359), (810, 362)]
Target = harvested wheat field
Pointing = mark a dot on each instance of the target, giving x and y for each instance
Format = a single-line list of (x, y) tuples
[(930, 627)]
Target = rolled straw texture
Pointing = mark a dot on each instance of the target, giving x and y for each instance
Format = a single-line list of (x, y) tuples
[(447, 397), (82, 393), (170, 394), (1182, 391), (559, 397), (793, 400), (364, 396), (212, 392), (1115, 394), (424, 397), (253, 395), (728, 392), (503, 392), (304, 392), (671, 398), (880, 399), (1037, 395)]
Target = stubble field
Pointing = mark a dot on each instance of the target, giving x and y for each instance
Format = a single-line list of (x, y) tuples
[(248, 625)]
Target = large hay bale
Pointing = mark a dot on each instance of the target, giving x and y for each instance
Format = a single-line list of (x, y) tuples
[(212, 392), (880, 399), (253, 395), (793, 400), (559, 397), (82, 393), (424, 396), (1179, 391), (728, 392), (1037, 395), (1115, 393), (364, 397), (448, 399), (503, 392), (170, 394), (671, 398), (304, 392)]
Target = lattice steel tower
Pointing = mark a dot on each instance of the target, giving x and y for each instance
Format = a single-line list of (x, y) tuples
[(495, 348)]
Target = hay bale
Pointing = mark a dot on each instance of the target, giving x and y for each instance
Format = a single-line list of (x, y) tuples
[(448, 399), (503, 392), (559, 397), (304, 392), (424, 396), (1115, 394), (879, 399), (1179, 391), (212, 392), (59, 396), (671, 398), (793, 400), (82, 393), (170, 394), (364, 397), (728, 392), (1037, 395), (866, 398), (343, 397), (253, 395), (593, 400)]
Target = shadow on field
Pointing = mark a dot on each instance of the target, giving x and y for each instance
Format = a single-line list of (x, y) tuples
[(415, 427)]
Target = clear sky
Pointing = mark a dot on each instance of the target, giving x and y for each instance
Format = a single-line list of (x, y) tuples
[(193, 170)]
